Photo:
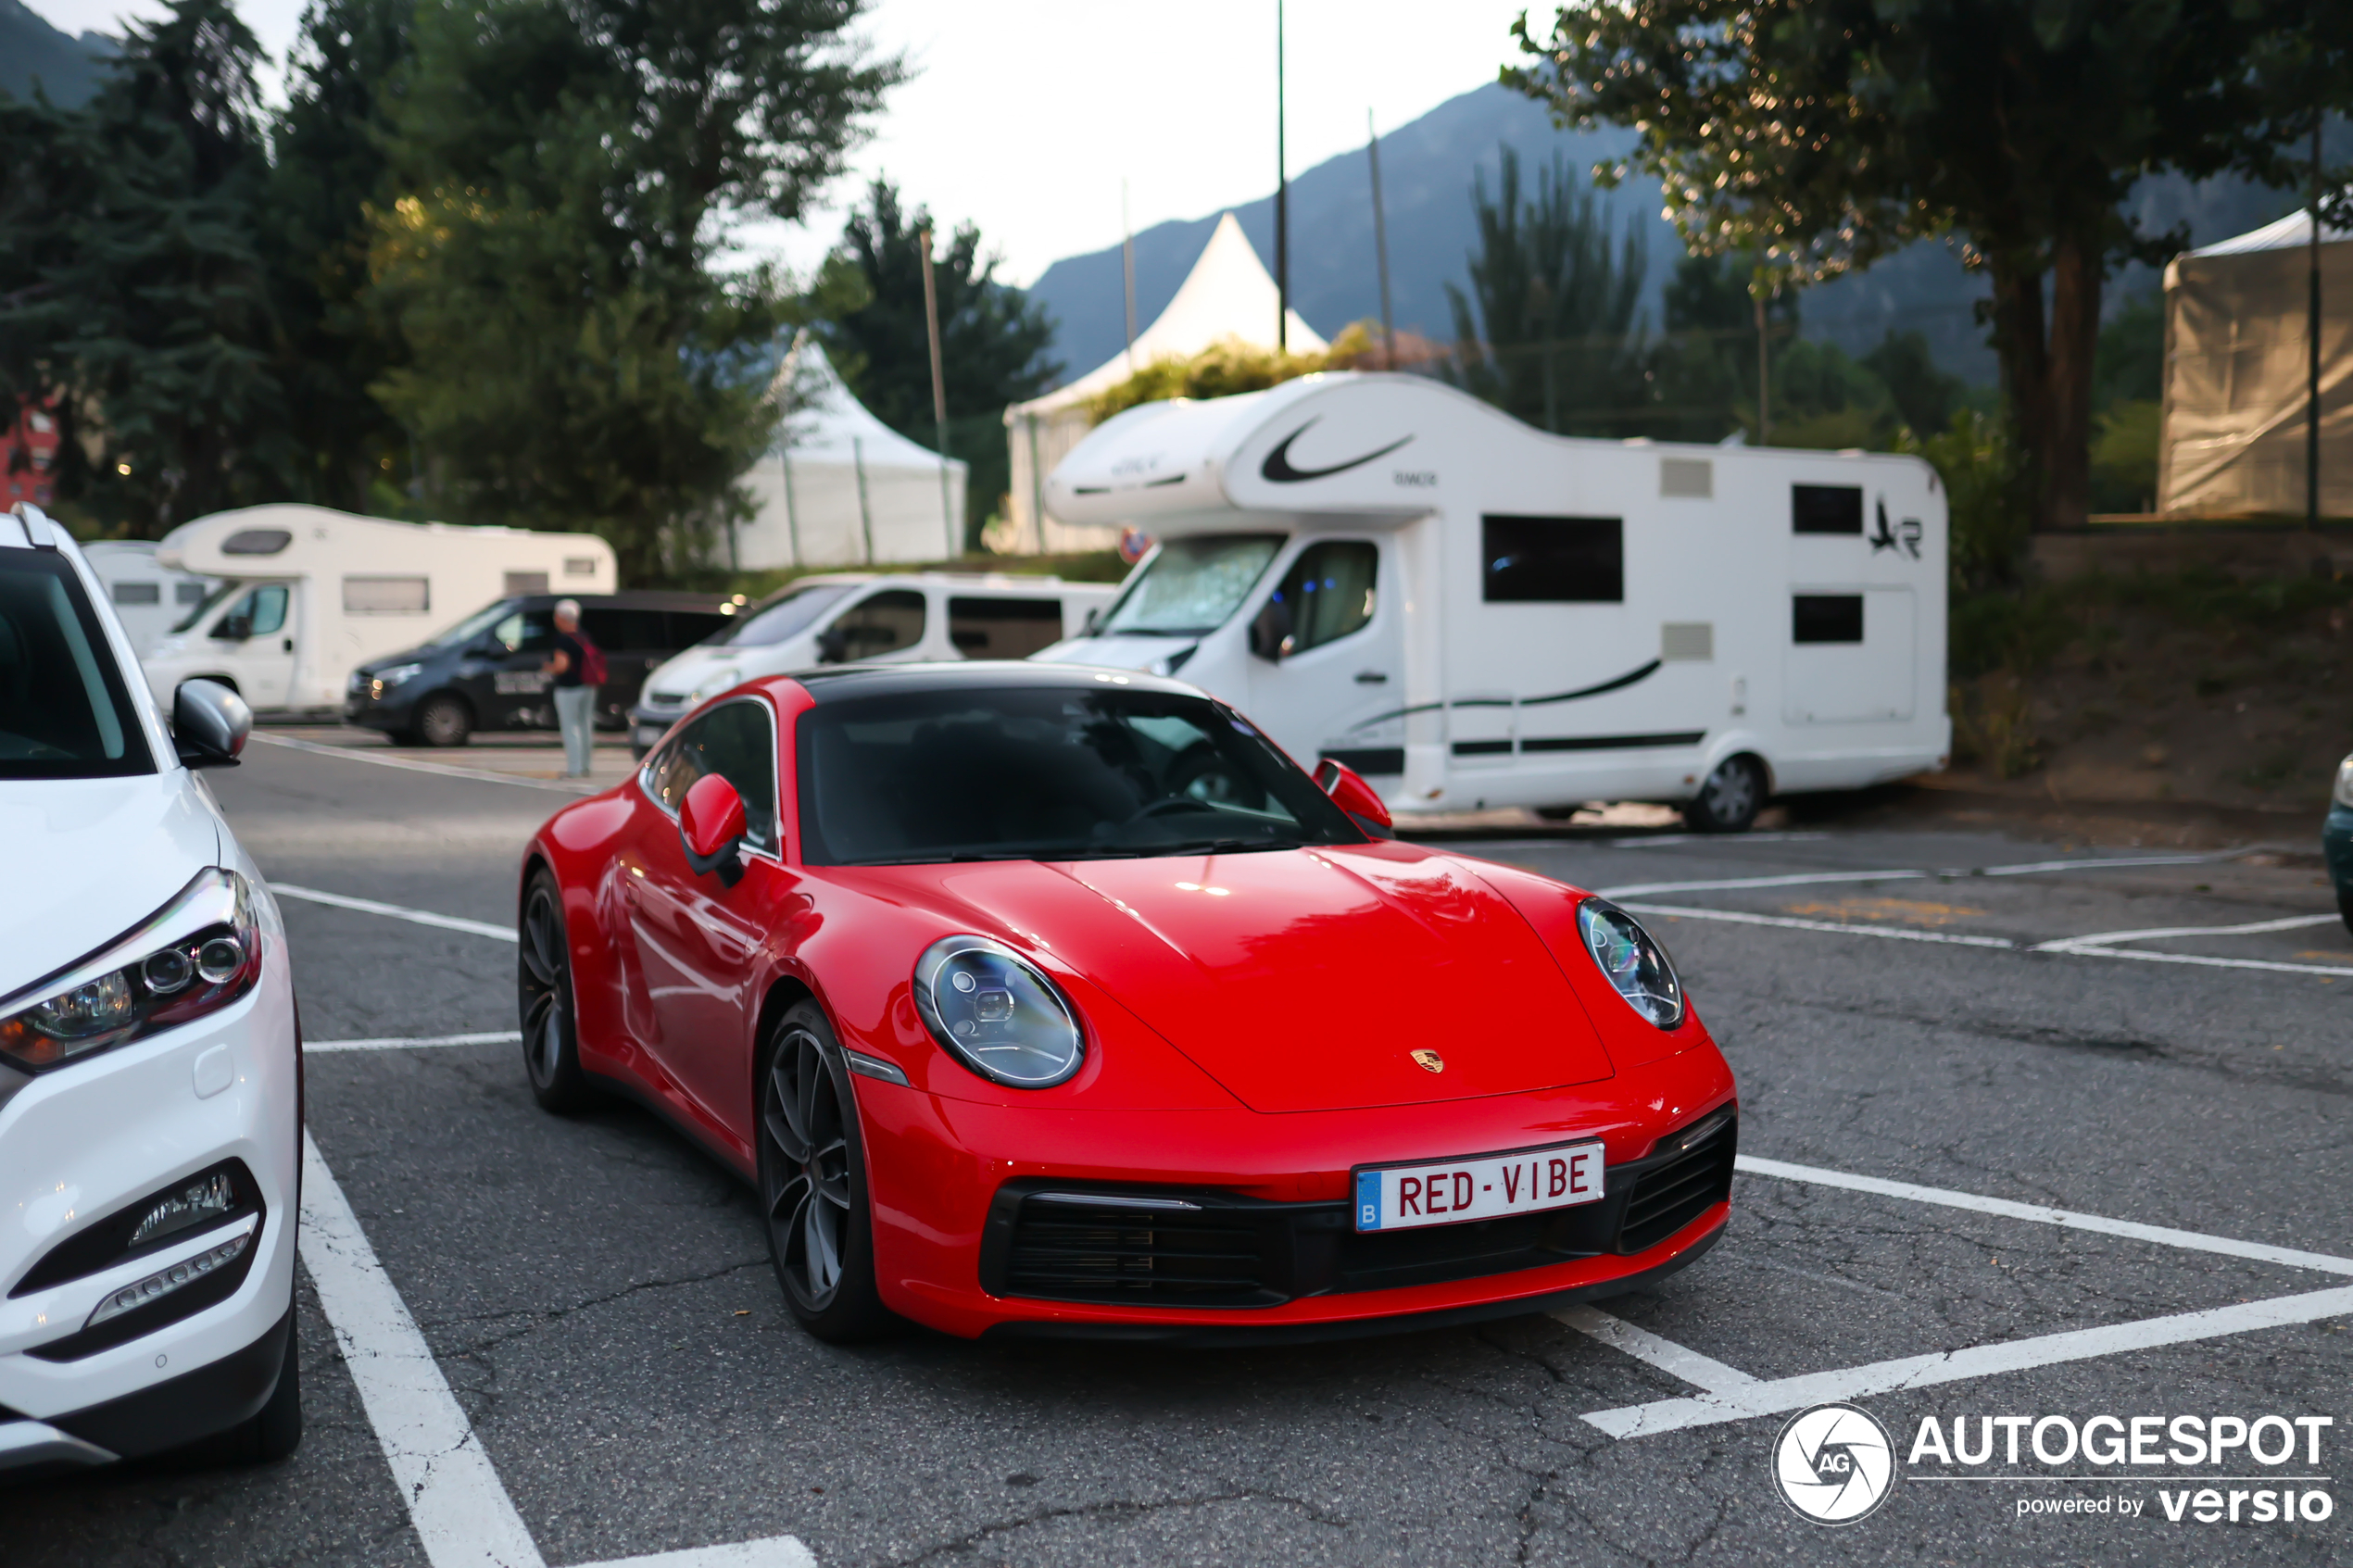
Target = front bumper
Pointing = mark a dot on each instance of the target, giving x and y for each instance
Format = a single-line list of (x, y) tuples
[(648, 725), (388, 709), (82, 1142), (2336, 848)]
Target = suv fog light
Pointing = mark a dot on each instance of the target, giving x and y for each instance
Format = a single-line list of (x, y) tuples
[(202, 1202), (163, 1282)]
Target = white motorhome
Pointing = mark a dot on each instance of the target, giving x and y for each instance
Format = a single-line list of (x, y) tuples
[(148, 597), (306, 594), (1471, 614)]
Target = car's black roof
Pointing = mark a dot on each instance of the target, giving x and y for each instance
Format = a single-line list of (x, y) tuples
[(839, 682), (627, 598)]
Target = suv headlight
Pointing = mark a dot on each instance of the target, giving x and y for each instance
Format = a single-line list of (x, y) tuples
[(198, 954), (996, 1012), (1632, 961), (2344, 791)]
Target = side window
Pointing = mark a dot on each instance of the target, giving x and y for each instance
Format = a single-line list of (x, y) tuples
[(1826, 618), (1826, 508), (138, 593), (1552, 560), (526, 630), (262, 612), (736, 741), (688, 627), (608, 629), (994, 628), (1328, 593), (646, 630), (882, 624)]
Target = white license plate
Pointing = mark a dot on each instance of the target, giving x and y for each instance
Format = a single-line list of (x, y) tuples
[(648, 734), (1447, 1192)]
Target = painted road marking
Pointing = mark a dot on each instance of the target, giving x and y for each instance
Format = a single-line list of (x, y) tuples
[(1677, 1361), (463, 1513), (2105, 938), (1796, 879), (448, 770), (395, 911), (397, 1043), (1792, 922), (2200, 961)]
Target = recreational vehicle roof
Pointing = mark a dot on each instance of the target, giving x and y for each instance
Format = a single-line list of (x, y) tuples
[(1379, 447), (292, 540)]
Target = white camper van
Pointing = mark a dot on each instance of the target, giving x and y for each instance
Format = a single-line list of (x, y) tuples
[(148, 597), (307, 593), (1471, 614)]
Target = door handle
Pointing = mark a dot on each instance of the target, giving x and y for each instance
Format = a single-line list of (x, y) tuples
[(1371, 678), (285, 645)]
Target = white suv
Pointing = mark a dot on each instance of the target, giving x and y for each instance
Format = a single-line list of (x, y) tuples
[(150, 1068)]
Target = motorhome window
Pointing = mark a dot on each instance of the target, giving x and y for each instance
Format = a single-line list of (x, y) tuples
[(526, 630), (256, 542), (1327, 594), (1553, 559), (1190, 587), (1003, 628), (64, 710), (580, 565), (884, 623), (781, 617), (736, 741), (187, 593), (138, 593), (262, 613), (387, 595), (203, 603), (526, 582), (1827, 618), (1826, 508)]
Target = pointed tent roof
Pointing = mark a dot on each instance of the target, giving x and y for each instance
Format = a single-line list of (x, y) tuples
[(829, 419), (1228, 294), (2291, 232)]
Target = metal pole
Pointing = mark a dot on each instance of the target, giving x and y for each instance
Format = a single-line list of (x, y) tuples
[(1380, 248), (865, 514), (1282, 202), (1127, 266), (2312, 368), (792, 517), (1037, 484), (1764, 367), (939, 403)]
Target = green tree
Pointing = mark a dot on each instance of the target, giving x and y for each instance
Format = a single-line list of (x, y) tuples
[(574, 356), (1547, 330), (132, 284), (1826, 134), (868, 311)]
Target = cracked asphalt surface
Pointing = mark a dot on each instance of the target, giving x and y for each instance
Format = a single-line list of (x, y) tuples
[(597, 1294)]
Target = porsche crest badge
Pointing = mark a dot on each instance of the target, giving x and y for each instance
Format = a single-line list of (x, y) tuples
[(1429, 1061)]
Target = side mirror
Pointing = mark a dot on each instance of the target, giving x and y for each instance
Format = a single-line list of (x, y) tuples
[(1087, 628), (1353, 794), (233, 629), (210, 724), (1270, 634), (711, 821), (832, 645)]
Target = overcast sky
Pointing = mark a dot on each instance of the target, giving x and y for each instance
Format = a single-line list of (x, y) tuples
[(1026, 117)]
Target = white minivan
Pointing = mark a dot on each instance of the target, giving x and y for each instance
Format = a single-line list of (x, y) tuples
[(150, 1083), (896, 617)]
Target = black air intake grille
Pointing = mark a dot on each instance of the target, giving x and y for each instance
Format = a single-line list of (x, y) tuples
[(1679, 1187), (1079, 1252)]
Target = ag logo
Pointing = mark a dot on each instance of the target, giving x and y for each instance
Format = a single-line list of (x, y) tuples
[(1834, 1463)]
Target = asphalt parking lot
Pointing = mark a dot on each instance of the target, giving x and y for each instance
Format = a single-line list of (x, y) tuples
[(2029, 1130)]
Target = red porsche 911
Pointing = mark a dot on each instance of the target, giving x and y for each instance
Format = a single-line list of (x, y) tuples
[(1047, 1002)]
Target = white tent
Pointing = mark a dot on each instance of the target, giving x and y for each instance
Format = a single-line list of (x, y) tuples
[(1227, 294), (2237, 374), (839, 487)]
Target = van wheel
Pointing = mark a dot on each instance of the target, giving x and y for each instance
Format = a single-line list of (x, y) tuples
[(1731, 798), (443, 721), (2344, 908)]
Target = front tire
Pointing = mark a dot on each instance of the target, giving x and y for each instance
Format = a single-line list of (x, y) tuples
[(2345, 907), (443, 721), (545, 1000), (1731, 798), (813, 1183)]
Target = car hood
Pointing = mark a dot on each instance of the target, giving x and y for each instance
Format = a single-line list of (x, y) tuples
[(1305, 980), (696, 668), (1113, 651), (424, 654), (88, 858)]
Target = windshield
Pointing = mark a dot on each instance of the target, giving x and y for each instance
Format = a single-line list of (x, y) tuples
[(204, 605), (1190, 587), (1046, 773), (472, 626), (64, 711), (779, 618)]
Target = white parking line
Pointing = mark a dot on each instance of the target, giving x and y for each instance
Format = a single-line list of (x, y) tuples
[(1895, 933), (2201, 962), (396, 1043), (1677, 1361), (409, 764), (2105, 938), (460, 1508), (395, 911), (1799, 879)]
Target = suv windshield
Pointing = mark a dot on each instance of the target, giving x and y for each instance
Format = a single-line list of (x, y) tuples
[(1046, 773), (472, 626), (1190, 587), (64, 710), (779, 619)]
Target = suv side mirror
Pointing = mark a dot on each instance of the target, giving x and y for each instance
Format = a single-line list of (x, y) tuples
[(1353, 794), (210, 724), (711, 822), (1270, 635), (1093, 615), (832, 645), (233, 628)]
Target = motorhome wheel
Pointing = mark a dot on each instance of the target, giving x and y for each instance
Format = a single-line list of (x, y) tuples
[(1731, 798)]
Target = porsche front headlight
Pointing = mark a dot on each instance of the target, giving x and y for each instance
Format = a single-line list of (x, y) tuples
[(198, 954), (996, 1012), (1633, 962)]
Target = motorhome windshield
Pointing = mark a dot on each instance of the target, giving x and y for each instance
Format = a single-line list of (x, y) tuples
[(65, 712), (207, 605), (1190, 586), (779, 619)]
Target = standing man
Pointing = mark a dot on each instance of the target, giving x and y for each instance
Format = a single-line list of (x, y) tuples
[(573, 664)]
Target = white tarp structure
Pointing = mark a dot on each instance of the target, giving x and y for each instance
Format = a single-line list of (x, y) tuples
[(841, 488), (1227, 294), (2237, 342)]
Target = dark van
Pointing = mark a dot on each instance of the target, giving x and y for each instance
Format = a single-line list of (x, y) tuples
[(484, 673)]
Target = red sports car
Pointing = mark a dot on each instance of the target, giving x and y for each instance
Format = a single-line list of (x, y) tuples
[(1047, 1001)]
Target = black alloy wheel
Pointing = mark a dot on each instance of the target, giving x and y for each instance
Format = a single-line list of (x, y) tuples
[(813, 1183), (443, 719), (2345, 906), (543, 998), (1731, 798)]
